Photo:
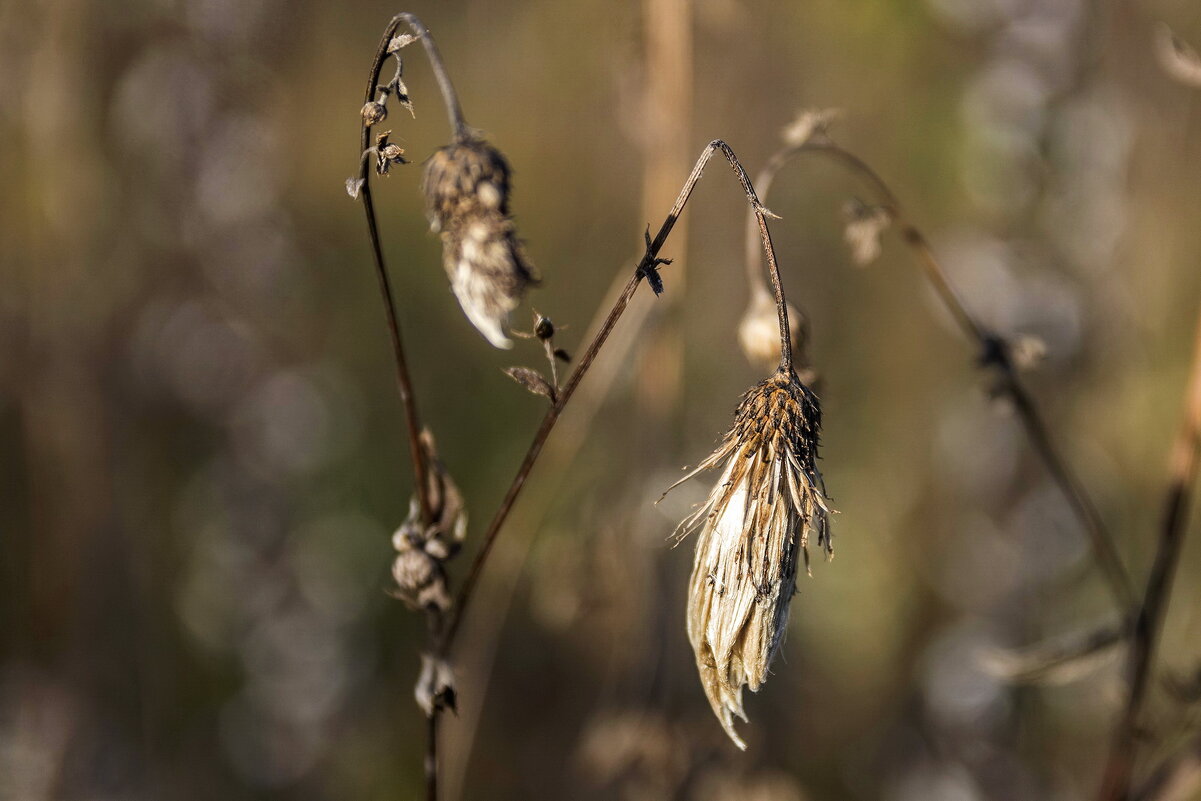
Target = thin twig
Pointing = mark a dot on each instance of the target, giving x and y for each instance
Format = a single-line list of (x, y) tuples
[(1182, 473), (993, 354), (647, 268)]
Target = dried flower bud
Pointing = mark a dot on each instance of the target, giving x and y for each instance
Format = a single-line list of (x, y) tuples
[(420, 580), (467, 191), (763, 510), (864, 225), (435, 687), (544, 329), (810, 123), (374, 113), (759, 331)]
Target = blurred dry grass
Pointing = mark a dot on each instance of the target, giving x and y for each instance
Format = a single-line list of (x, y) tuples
[(203, 456)]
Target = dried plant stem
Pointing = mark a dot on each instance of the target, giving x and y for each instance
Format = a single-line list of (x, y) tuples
[(404, 381), (993, 354), (460, 130), (431, 758), (1182, 473), (646, 267)]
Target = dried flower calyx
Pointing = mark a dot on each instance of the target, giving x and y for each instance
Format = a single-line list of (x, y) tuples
[(761, 514), (423, 549), (466, 187)]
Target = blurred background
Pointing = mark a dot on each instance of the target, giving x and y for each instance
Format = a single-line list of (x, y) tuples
[(202, 455)]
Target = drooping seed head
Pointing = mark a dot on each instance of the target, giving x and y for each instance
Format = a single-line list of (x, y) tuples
[(466, 189), (762, 512)]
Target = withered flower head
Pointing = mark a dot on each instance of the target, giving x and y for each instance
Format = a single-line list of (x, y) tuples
[(768, 503), (466, 188), (422, 549)]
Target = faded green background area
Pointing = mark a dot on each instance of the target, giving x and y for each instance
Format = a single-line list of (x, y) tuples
[(202, 454)]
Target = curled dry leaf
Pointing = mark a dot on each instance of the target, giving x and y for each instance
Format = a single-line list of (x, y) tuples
[(403, 40), (533, 381), (1176, 57)]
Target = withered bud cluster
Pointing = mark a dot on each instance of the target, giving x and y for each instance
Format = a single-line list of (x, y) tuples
[(759, 517), (466, 187), (422, 549)]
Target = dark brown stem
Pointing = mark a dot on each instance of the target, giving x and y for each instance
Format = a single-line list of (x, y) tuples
[(645, 267), (403, 381), (1182, 473), (993, 354), (431, 758)]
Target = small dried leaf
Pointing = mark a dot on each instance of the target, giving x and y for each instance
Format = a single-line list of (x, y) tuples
[(353, 186), (1177, 58), (1057, 661), (398, 42), (864, 225), (435, 687), (533, 381), (809, 124)]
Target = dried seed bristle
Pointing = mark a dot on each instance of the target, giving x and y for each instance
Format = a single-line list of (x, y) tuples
[(769, 502), (466, 189)]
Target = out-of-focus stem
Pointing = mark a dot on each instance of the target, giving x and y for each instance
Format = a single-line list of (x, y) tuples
[(1182, 474), (993, 354)]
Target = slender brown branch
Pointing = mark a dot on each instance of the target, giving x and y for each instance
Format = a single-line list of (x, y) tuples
[(1182, 474), (647, 268), (993, 354)]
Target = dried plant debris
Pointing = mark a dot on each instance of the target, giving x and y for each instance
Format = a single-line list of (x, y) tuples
[(1176, 57), (466, 189), (533, 381), (422, 549), (760, 515), (864, 226), (811, 124), (759, 331)]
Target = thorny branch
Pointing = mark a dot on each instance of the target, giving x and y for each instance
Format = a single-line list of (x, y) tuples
[(1182, 474), (994, 354)]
